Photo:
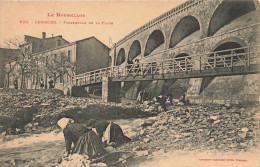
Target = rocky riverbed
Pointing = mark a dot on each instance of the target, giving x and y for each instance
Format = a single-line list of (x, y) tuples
[(177, 135)]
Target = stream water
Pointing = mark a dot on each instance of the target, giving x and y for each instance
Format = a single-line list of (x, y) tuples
[(44, 149)]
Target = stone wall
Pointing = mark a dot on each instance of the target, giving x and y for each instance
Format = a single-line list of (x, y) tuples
[(230, 89), (212, 32)]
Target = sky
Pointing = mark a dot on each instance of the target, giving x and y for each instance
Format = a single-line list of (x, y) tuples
[(116, 18)]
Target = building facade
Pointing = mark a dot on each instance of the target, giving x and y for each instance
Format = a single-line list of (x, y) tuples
[(55, 59)]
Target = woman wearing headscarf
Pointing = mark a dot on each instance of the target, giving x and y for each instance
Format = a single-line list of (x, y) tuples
[(84, 139), (109, 132)]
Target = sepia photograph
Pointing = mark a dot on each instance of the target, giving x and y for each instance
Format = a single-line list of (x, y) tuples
[(130, 83)]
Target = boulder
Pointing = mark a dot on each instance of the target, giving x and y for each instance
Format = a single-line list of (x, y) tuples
[(244, 129), (147, 140), (142, 153)]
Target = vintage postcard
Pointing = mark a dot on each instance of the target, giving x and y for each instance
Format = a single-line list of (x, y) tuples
[(169, 83)]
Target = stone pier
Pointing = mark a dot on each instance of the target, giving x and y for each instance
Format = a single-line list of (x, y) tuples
[(111, 91)]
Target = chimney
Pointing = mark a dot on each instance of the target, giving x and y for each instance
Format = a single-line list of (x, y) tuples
[(43, 35)]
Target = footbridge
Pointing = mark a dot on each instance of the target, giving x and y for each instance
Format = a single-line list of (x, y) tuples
[(238, 61)]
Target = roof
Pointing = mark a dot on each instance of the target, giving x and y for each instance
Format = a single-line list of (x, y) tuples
[(93, 37), (42, 44), (52, 49)]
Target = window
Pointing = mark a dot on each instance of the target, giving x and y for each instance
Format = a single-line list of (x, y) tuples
[(62, 58), (69, 55), (46, 60), (59, 42), (61, 78), (55, 57)]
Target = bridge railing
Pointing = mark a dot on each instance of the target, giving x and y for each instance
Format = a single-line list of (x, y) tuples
[(230, 58)]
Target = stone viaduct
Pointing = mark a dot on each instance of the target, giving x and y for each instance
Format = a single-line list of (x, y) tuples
[(209, 23), (193, 28)]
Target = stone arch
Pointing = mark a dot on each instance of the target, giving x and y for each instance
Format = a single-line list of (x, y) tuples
[(155, 40), (120, 57), (223, 49), (181, 55), (231, 39), (135, 50), (227, 11), (185, 27)]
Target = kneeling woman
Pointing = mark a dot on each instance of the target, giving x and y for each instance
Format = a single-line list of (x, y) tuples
[(84, 139), (109, 132)]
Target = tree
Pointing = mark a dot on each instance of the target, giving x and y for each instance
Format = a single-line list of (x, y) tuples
[(9, 68), (7, 64), (57, 66), (24, 58)]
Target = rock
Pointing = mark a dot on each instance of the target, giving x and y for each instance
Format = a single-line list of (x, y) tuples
[(172, 132), (176, 100), (131, 134), (214, 117), (228, 105), (142, 153), (136, 148), (180, 103), (45, 104), (110, 149), (218, 121), (146, 103), (187, 134), (29, 125), (19, 130), (27, 106), (233, 145), (242, 135), (141, 132), (158, 153), (146, 140), (162, 128), (243, 144), (244, 129), (75, 160), (148, 122), (100, 164), (12, 162), (242, 109)]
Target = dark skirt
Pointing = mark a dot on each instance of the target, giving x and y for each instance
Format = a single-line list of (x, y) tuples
[(117, 135), (89, 144)]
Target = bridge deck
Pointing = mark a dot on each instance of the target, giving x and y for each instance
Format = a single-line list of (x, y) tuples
[(236, 61)]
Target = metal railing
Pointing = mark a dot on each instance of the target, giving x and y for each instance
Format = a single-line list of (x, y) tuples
[(244, 56)]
